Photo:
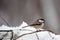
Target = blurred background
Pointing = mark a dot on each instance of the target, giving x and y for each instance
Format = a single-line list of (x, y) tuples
[(14, 12)]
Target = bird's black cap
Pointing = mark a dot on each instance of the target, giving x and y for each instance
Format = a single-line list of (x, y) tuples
[(41, 20)]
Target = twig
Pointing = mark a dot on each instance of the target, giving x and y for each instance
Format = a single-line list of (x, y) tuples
[(37, 36), (50, 35), (4, 35), (29, 33), (24, 34), (7, 33)]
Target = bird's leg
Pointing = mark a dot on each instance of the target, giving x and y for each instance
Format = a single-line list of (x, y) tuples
[(39, 29)]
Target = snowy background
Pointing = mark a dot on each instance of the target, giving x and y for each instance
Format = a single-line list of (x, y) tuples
[(43, 35)]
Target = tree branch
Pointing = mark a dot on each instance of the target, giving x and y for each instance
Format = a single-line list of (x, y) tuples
[(30, 33)]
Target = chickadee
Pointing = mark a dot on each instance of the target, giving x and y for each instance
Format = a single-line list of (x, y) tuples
[(39, 24)]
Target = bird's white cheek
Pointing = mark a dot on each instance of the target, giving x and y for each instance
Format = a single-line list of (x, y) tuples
[(41, 21)]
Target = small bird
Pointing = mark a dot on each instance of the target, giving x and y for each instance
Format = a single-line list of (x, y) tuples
[(39, 24)]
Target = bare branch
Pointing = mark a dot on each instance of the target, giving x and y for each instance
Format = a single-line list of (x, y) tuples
[(29, 33), (7, 33)]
